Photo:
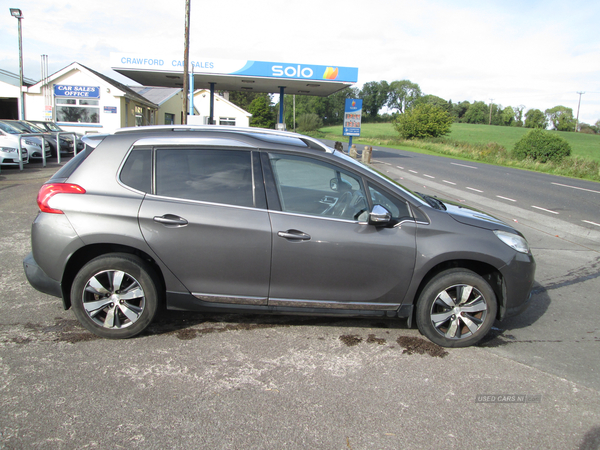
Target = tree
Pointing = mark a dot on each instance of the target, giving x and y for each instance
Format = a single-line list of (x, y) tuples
[(374, 96), (262, 113), (561, 118), (244, 98), (534, 118), (508, 116), (459, 110), (309, 122), (478, 112), (518, 115), (543, 146), (422, 121), (433, 100), (402, 95)]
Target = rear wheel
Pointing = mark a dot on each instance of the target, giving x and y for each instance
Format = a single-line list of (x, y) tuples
[(457, 308), (114, 296)]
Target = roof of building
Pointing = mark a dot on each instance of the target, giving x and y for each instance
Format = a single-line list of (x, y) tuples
[(157, 95), (13, 78), (127, 91)]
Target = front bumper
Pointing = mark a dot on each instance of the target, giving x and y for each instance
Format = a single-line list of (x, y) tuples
[(518, 278)]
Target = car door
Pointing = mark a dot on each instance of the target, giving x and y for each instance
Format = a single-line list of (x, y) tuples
[(329, 256), (208, 223)]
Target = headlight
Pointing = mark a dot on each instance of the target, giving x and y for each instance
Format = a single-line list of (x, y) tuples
[(519, 243), (35, 144), (8, 150)]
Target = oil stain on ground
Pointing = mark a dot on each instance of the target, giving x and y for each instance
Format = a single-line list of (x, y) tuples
[(419, 345)]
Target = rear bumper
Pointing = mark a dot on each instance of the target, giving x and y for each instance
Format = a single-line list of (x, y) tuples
[(38, 278)]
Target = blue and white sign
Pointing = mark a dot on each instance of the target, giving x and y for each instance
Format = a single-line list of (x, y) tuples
[(236, 67), (65, 90), (110, 109), (352, 116)]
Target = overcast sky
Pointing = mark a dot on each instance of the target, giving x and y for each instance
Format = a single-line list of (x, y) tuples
[(527, 52)]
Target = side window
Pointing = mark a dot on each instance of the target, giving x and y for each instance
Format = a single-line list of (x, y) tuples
[(397, 207), (137, 170), (216, 176), (313, 187)]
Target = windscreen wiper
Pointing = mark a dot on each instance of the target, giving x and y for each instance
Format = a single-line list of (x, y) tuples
[(434, 202)]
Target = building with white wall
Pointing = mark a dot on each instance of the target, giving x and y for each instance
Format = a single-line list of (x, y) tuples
[(82, 100), (9, 93), (225, 112)]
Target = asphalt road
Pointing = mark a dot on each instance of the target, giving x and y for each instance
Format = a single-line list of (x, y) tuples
[(266, 382)]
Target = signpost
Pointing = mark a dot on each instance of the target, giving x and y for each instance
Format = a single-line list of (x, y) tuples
[(352, 118)]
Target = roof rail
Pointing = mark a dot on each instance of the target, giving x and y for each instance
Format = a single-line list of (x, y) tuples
[(308, 141)]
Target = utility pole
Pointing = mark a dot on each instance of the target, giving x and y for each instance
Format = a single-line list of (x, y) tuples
[(578, 105), (186, 62), (18, 14), (491, 100)]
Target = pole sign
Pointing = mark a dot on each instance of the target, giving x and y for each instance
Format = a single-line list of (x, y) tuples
[(352, 116)]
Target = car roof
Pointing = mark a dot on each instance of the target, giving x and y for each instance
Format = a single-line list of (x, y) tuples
[(261, 134)]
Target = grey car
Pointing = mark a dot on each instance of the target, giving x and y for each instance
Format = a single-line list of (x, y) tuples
[(234, 219)]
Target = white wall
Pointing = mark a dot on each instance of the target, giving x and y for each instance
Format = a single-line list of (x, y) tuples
[(109, 96), (222, 108)]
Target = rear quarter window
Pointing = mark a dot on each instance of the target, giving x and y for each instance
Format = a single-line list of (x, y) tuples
[(137, 170)]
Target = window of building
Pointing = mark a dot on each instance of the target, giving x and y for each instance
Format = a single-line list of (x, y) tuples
[(139, 116), (169, 119), (227, 121), (76, 110)]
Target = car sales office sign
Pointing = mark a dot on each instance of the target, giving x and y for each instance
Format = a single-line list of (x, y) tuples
[(352, 116), (65, 90)]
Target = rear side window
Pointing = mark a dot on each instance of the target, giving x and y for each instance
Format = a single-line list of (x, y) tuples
[(216, 176), (137, 170)]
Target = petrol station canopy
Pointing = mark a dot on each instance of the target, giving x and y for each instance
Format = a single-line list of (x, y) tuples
[(235, 75)]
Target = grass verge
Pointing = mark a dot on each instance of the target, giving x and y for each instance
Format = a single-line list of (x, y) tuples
[(490, 153)]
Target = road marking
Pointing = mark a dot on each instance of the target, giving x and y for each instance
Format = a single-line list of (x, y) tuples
[(413, 171), (464, 165), (428, 176), (506, 198), (575, 187), (449, 182), (386, 163), (592, 223), (473, 189), (544, 209), (399, 167)]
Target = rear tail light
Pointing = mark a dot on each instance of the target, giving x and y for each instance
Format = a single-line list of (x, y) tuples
[(48, 191)]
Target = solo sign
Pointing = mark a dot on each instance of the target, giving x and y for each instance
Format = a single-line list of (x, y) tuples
[(65, 90), (352, 116)]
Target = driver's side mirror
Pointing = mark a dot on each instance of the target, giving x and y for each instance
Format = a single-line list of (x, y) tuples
[(379, 216)]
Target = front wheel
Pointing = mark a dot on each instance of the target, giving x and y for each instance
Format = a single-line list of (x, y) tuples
[(457, 308), (114, 296)]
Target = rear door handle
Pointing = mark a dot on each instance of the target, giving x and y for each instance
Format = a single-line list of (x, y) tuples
[(171, 220), (294, 235)]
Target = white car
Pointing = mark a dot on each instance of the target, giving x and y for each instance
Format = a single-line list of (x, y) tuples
[(32, 144), (9, 150)]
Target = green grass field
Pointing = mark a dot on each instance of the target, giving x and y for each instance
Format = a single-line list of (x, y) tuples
[(583, 145)]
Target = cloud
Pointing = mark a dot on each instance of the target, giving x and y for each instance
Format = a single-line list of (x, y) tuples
[(535, 53)]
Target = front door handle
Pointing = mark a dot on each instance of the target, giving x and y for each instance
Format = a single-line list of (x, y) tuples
[(294, 235), (171, 220)]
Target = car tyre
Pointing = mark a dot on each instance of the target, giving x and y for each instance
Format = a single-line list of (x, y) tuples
[(457, 308), (114, 296)]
